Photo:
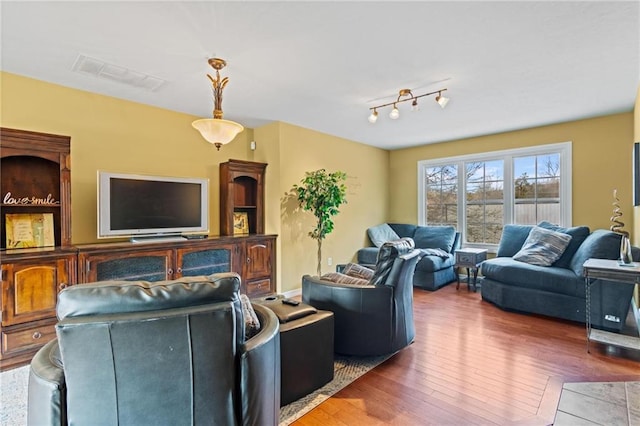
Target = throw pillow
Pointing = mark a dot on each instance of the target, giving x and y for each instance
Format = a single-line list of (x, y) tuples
[(512, 239), (543, 247), (337, 277), (358, 271), (381, 234), (578, 235), (251, 321), (441, 237)]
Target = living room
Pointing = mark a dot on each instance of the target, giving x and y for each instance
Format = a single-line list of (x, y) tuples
[(113, 134)]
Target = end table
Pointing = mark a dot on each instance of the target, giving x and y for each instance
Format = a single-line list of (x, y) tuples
[(470, 258), (611, 272)]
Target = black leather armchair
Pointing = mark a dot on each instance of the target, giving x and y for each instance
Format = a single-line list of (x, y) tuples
[(163, 353), (371, 319)]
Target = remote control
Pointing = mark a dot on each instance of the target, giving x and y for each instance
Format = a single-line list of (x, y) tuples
[(290, 302)]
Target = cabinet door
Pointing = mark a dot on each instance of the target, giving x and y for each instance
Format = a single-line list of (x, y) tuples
[(146, 265), (204, 260), (258, 259), (30, 290)]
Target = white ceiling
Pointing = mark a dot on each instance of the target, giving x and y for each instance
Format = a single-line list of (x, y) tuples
[(321, 65)]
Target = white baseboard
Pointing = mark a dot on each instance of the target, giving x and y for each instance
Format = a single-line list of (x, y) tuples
[(293, 293)]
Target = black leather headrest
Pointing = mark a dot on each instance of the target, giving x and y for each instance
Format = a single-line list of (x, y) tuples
[(110, 297)]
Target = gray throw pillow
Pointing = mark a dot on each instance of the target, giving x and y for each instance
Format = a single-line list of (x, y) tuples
[(578, 235), (543, 247), (381, 234)]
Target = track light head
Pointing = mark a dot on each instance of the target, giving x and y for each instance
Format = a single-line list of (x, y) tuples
[(394, 114), (414, 105), (374, 116), (441, 100)]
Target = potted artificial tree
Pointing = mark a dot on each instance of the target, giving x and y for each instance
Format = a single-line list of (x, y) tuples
[(322, 193)]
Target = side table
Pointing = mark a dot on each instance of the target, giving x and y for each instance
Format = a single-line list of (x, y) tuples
[(613, 273), (470, 258)]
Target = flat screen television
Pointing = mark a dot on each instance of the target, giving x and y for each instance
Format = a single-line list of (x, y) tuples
[(151, 207)]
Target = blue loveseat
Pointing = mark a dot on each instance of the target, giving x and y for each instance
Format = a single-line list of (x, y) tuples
[(558, 290), (438, 244)]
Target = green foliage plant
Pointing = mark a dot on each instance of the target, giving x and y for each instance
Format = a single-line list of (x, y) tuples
[(322, 193)]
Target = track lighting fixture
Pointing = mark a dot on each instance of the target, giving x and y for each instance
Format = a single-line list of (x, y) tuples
[(403, 96)]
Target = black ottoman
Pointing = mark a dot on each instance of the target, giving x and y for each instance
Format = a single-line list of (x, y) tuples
[(306, 347)]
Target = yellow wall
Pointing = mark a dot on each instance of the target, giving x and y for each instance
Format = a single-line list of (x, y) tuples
[(115, 135), (303, 150), (602, 162)]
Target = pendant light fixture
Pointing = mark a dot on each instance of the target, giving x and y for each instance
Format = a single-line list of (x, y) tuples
[(216, 130)]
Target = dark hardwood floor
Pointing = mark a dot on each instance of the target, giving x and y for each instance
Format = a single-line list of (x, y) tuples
[(474, 364)]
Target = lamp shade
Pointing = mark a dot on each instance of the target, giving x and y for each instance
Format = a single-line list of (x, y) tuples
[(217, 131)]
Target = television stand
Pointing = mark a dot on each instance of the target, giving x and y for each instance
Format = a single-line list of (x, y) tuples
[(168, 238)]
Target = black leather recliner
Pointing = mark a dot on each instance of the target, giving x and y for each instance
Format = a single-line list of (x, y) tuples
[(371, 319), (163, 353)]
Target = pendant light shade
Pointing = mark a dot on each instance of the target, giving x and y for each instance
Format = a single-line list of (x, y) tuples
[(216, 130)]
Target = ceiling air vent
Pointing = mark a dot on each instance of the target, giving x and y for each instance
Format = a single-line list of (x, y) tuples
[(96, 67)]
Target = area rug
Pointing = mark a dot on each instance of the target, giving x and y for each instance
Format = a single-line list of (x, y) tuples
[(345, 370), (13, 390)]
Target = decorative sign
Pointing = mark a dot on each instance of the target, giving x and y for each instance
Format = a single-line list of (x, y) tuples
[(240, 223), (29, 230), (29, 201)]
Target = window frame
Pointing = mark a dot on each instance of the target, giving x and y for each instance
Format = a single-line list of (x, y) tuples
[(564, 149)]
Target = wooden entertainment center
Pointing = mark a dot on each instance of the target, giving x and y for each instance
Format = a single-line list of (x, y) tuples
[(36, 182)]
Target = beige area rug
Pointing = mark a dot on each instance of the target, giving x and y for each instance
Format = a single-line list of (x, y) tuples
[(346, 370), (14, 384)]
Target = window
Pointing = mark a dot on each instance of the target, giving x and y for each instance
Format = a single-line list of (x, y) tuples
[(484, 199), (478, 194), (442, 193), (536, 189)]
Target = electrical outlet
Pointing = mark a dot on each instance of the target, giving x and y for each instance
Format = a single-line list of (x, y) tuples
[(329, 261)]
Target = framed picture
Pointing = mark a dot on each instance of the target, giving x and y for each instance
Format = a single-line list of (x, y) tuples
[(240, 223), (29, 230)]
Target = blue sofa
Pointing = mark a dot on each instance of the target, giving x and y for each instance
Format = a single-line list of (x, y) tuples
[(558, 290), (439, 244)]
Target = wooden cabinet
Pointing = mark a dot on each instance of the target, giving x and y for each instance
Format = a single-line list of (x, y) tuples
[(258, 272), (102, 262), (206, 258), (242, 193), (35, 191), (250, 256), (35, 179), (31, 281)]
